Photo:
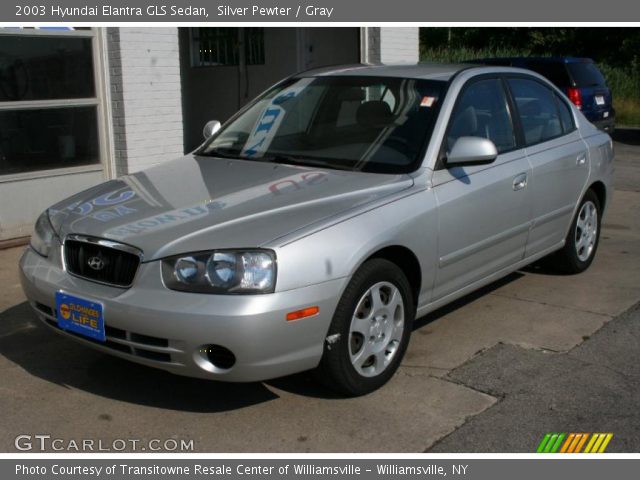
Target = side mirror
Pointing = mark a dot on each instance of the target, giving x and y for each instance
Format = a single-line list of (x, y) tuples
[(211, 127), (471, 151)]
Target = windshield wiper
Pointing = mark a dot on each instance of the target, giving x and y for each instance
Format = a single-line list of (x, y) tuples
[(277, 158), (221, 154), (301, 161)]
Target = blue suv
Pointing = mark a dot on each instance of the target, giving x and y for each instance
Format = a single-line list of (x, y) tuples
[(580, 80)]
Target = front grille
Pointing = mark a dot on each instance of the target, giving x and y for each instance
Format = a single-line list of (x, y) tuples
[(121, 340), (110, 265)]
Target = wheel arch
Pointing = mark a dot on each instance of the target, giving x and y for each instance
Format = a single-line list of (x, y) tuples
[(407, 261), (600, 190)]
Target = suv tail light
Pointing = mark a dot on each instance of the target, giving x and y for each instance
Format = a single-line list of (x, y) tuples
[(575, 96)]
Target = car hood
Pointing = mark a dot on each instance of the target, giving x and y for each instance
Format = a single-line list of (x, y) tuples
[(199, 203)]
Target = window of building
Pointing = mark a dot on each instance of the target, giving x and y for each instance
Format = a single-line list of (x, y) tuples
[(48, 101), (219, 46)]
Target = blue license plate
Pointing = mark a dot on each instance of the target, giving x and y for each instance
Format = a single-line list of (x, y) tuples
[(80, 316)]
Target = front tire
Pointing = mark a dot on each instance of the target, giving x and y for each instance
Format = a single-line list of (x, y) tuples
[(370, 330), (583, 237)]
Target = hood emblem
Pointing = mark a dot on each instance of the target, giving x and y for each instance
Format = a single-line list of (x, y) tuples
[(96, 263)]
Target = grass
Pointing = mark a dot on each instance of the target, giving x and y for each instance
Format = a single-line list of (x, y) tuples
[(624, 82), (627, 111)]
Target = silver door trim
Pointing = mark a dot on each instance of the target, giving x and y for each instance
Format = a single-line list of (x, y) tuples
[(469, 250)]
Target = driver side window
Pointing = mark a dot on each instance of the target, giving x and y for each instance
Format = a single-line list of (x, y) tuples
[(482, 111)]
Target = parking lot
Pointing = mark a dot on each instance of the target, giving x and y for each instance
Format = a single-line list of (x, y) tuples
[(492, 372)]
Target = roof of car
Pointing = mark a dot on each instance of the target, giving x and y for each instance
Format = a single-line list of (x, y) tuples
[(536, 59), (432, 71)]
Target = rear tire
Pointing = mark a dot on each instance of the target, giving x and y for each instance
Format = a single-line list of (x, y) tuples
[(370, 330), (582, 240)]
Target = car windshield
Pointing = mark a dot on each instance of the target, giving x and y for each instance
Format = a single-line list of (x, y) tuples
[(370, 124)]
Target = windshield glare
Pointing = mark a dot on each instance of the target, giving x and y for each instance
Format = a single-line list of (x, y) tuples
[(356, 123)]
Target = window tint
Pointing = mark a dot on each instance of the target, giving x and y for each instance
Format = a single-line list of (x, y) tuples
[(482, 112), (537, 109), (47, 138), (44, 68), (373, 124), (48, 104), (566, 117), (554, 71), (586, 75), (357, 95)]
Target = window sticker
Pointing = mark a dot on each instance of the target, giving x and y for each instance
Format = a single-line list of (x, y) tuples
[(427, 101)]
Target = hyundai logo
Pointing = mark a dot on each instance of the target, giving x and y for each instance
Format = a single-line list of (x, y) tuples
[(96, 263)]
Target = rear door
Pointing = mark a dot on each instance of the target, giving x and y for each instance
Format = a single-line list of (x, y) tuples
[(483, 210), (558, 158)]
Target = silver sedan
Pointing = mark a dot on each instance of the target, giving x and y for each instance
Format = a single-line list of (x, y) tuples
[(310, 229)]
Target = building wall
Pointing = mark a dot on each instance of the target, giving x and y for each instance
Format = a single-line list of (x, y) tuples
[(146, 98), (399, 44), (391, 44)]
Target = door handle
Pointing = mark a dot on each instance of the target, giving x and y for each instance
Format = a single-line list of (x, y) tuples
[(520, 181), (581, 160)]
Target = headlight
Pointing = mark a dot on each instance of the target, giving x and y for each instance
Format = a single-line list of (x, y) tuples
[(221, 271), (43, 234)]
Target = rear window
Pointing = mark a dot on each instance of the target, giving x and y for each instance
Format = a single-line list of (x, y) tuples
[(586, 75), (566, 117), (555, 72)]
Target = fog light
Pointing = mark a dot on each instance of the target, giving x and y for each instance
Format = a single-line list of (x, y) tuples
[(219, 356)]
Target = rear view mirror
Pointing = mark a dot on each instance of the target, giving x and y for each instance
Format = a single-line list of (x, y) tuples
[(472, 151), (211, 127)]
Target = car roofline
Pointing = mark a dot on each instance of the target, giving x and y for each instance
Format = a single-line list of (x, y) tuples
[(426, 71)]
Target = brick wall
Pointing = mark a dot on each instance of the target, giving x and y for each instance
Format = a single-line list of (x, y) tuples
[(393, 44), (399, 44), (146, 100)]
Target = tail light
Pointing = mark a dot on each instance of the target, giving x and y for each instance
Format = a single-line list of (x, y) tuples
[(575, 96)]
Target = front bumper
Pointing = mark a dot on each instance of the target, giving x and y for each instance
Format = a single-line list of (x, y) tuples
[(162, 328)]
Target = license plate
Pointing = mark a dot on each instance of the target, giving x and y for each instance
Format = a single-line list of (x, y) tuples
[(599, 100), (80, 316), (605, 115)]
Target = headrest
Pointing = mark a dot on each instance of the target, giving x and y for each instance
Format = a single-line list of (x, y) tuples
[(465, 123), (375, 113), (530, 108)]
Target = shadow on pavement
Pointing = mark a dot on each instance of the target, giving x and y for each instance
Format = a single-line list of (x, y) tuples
[(25, 341), (628, 136), (461, 302)]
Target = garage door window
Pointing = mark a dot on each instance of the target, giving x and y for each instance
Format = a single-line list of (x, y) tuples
[(48, 101), (220, 46)]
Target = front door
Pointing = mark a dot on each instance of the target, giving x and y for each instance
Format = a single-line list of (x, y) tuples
[(483, 210)]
